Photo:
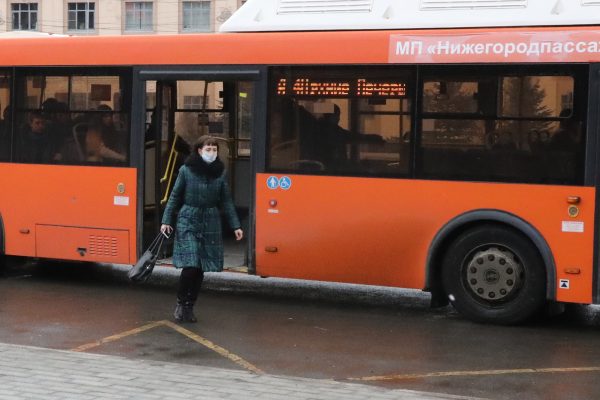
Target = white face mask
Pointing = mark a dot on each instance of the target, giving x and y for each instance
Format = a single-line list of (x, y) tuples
[(208, 157)]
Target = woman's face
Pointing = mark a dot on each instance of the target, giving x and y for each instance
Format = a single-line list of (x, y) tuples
[(209, 150)]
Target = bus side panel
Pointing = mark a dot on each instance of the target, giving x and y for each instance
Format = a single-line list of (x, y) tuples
[(67, 203), (378, 231)]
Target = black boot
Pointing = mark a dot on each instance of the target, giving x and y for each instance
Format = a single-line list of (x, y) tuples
[(190, 281), (188, 312), (178, 313)]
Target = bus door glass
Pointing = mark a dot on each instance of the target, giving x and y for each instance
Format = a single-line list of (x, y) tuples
[(158, 128), (190, 109)]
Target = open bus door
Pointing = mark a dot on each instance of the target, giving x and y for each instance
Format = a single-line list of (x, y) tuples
[(179, 109)]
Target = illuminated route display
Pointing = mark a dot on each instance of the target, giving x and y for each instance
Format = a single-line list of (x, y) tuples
[(359, 87)]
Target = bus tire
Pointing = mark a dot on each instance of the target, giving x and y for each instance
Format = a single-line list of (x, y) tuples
[(492, 273)]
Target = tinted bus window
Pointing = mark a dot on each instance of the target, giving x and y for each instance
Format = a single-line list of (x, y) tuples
[(502, 128), (71, 119), (5, 117), (536, 96), (350, 121)]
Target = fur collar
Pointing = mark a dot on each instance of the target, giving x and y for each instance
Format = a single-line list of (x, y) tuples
[(200, 167)]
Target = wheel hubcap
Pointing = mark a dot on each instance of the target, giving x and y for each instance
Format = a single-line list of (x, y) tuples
[(493, 274)]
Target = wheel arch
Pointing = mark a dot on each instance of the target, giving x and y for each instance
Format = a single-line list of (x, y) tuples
[(462, 222)]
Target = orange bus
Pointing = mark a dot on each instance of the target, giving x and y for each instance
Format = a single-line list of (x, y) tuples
[(463, 162)]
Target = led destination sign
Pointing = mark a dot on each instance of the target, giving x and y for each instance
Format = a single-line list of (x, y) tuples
[(360, 87)]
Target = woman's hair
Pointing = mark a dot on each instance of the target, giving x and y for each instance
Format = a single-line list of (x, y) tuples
[(205, 141)]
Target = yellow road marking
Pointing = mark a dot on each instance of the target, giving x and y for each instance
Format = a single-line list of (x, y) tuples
[(476, 373), (216, 348), (118, 336), (189, 334)]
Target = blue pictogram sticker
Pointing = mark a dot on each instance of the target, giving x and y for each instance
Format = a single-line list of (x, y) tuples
[(272, 182), (285, 182)]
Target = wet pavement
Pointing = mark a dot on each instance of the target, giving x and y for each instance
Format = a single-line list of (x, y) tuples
[(384, 337)]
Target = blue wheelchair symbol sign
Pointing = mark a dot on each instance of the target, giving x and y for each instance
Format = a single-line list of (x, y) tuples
[(272, 182), (285, 182)]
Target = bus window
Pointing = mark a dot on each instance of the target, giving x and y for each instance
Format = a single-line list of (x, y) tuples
[(501, 128), (5, 117), (447, 96), (43, 90), (340, 121), (390, 119), (536, 96), (71, 119)]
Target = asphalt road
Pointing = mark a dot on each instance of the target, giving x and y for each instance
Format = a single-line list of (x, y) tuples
[(380, 336)]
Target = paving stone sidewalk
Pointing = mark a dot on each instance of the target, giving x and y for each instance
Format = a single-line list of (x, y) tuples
[(38, 373)]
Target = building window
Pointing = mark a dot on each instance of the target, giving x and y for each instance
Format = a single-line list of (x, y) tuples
[(81, 16), (24, 16), (138, 16), (193, 102), (196, 16)]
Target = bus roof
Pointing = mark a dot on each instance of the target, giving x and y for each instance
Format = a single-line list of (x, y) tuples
[(310, 15), (470, 45)]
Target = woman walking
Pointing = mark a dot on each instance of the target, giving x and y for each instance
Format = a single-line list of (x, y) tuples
[(201, 187)]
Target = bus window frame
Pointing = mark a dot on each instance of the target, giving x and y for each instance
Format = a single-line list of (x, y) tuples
[(226, 73), (473, 72), (415, 86), (404, 71), (125, 76)]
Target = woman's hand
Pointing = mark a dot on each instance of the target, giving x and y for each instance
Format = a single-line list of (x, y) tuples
[(168, 229), (239, 234)]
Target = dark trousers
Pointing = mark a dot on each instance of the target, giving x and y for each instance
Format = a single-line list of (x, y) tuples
[(190, 281)]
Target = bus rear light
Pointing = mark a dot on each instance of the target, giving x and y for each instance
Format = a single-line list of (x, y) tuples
[(273, 203), (573, 199), (271, 249), (24, 231)]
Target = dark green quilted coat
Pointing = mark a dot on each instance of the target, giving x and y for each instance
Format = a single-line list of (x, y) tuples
[(198, 234)]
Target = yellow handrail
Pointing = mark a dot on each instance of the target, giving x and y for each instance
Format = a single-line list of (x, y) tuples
[(169, 170)]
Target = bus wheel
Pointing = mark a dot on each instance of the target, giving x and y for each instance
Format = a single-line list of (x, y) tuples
[(494, 274)]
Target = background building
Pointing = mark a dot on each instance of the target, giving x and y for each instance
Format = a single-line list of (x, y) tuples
[(115, 17)]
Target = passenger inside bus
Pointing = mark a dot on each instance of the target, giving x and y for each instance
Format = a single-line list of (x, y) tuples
[(568, 135), (58, 122), (58, 119), (90, 146), (94, 144), (112, 138), (325, 142), (331, 139), (37, 144)]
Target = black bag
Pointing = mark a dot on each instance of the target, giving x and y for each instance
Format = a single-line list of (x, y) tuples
[(142, 270)]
